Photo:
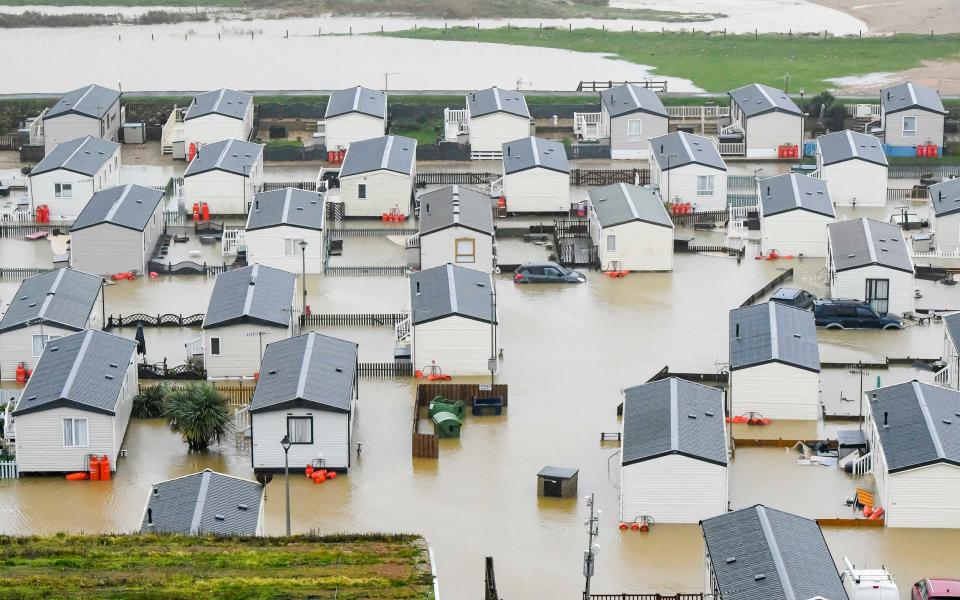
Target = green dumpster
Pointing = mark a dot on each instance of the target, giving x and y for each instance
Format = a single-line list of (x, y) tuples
[(447, 425), (439, 404)]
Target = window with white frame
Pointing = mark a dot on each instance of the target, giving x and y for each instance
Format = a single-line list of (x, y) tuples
[(634, 129), (611, 243), (466, 250), (214, 346), (300, 429), (75, 433), (910, 126), (705, 185), (40, 341), (291, 247), (361, 191), (63, 190)]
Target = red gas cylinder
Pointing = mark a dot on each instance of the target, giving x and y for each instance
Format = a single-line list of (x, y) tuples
[(95, 468), (193, 151), (205, 210), (196, 211), (309, 470), (256, 376), (306, 310), (331, 474), (502, 202), (795, 152), (623, 526), (933, 151), (341, 155), (105, 468), (22, 373), (921, 150)]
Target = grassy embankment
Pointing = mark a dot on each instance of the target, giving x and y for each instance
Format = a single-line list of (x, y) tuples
[(33, 18), (718, 63), (149, 567)]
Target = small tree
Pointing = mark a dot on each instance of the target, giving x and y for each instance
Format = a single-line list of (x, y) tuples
[(199, 414), (149, 404)]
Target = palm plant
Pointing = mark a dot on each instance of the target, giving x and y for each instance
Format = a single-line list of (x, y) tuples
[(199, 413), (149, 404)]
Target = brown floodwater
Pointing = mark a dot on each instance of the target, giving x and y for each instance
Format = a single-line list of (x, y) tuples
[(568, 351)]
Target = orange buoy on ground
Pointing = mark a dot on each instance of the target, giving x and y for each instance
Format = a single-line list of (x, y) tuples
[(331, 474), (309, 470), (104, 468), (78, 476), (623, 526), (877, 514)]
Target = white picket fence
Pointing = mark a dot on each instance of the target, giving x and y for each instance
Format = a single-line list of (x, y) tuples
[(8, 470)]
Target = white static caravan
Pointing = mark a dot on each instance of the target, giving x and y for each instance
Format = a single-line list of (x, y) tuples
[(951, 351), (536, 176), (673, 453), (89, 111), (307, 392), (688, 168), (248, 309), (766, 554), (47, 306), (354, 114), (495, 117), (224, 175), (631, 228), (456, 226), (854, 167), (277, 224), (74, 171), (216, 116), (631, 115), (76, 403), (869, 260), (914, 449), (945, 199), (205, 503), (910, 115), (117, 231), (794, 213), (774, 362), (378, 175), (766, 117), (452, 320)]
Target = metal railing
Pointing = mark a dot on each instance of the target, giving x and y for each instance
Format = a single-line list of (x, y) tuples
[(402, 330), (172, 130), (732, 148), (454, 123), (698, 113), (657, 85), (862, 465), (8, 470), (943, 377), (588, 126), (733, 128), (863, 111), (233, 239), (914, 193)]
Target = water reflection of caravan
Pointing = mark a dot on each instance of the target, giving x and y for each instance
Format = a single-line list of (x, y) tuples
[(868, 584)]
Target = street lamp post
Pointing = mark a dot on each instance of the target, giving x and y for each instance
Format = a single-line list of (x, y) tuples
[(303, 281), (285, 442), (669, 157), (590, 556), (803, 116)]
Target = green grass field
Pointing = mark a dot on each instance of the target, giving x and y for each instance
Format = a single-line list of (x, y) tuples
[(178, 567), (719, 63)]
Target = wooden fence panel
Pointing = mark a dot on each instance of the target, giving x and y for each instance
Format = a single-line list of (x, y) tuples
[(464, 392), (238, 394), (370, 271), (353, 320)]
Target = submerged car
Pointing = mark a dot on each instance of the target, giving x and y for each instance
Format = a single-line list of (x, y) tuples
[(852, 314), (935, 589), (546, 272), (794, 297)]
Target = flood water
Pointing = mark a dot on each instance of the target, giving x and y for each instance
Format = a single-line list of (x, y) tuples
[(568, 351)]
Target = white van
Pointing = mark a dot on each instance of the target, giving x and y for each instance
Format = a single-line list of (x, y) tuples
[(868, 584)]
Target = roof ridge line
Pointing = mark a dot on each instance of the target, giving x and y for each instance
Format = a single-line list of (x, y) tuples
[(496, 98), (251, 286), (913, 94), (674, 416), (50, 293), (928, 418), (452, 285), (796, 190), (774, 334), (65, 161), (305, 365), (629, 198), (633, 95), (216, 105), (223, 153), (869, 238), (385, 159), (116, 205), (84, 95), (686, 146), (536, 151), (356, 97), (765, 94), (774, 548), (286, 205), (75, 368), (853, 145), (201, 502)]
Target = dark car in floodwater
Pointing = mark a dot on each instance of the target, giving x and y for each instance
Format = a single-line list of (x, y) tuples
[(852, 314), (794, 297), (546, 272)]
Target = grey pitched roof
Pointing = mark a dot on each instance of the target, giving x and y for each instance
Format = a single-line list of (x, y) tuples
[(204, 503), (231, 156), (757, 99), (945, 197), (474, 210), (357, 99), (917, 424), (793, 191), (759, 553), (289, 206), (307, 371), (685, 149), (952, 323), (84, 370), (620, 203), (673, 416), (910, 95), (849, 145), (64, 298), (390, 152), (557, 472), (229, 103), (773, 332), (85, 155), (628, 98), (129, 206), (92, 101), (449, 290), (532, 152), (862, 242), (254, 294), (494, 100)]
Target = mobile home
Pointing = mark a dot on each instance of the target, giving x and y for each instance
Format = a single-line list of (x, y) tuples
[(631, 115), (225, 176), (278, 223), (910, 115), (536, 176), (378, 176), (89, 111), (765, 119), (205, 503), (216, 116), (354, 114), (945, 199), (688, 169), (794, 213), (71, 174), (456, 226), (854, 167), (631, 228), (951, 351), (495, 117)]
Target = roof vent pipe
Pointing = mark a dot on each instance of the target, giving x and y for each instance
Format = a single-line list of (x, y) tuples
[(885, 414), (418, 288)]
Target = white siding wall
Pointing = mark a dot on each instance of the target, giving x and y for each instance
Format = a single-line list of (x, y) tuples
[(352, 127), (856, 180), (673, 489), (776, 391), (239, 353), (124, 409), (84, 186), (929, 128), (458, 345), (683, 185), (537, 190), (438, 248), (267, 247), (795, 232), (853, 284), (40, 441), (71, 126), (106, 249), (947, 233), (639, 247), (490, 132), (215, 128), (924, 497), (226, 193), (330, 439), (765, 133), (622, 147), (17, 346), (386, 190)]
